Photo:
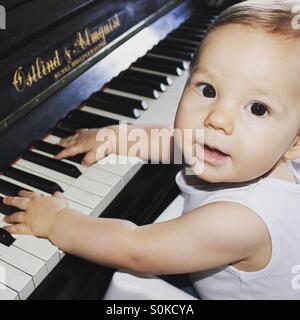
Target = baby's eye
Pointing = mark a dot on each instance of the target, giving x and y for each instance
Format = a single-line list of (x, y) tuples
[(207, 90), (258, 109)]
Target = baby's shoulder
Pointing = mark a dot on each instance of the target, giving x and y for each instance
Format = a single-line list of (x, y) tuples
[(232, 221)]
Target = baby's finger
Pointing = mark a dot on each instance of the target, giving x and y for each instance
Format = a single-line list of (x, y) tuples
[(18, 202), (58, 194), (69, 152), (20, 228), (67, 142), (82, 130), (28, 194), (89, 159), (18, 217)]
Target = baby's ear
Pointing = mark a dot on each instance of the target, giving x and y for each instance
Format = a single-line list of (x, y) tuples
[(293, 152)]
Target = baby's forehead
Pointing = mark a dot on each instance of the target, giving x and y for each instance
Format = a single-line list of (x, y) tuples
[(245, 37), (251, 54)]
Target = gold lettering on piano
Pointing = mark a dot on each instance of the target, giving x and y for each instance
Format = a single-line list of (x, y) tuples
[(86, 44), (38, 71)]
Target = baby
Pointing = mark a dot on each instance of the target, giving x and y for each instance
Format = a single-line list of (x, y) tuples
[(240, 227)]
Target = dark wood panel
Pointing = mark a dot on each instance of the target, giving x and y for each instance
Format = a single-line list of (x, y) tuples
[(30, 18), (12, 4)]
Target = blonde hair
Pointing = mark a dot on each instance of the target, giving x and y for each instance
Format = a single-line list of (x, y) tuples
[(278, 17)]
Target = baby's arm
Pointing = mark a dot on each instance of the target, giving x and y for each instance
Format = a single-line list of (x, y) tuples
[(214, 235)]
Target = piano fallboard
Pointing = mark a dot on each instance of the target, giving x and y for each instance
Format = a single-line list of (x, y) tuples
[(53, 105), (45, 46)]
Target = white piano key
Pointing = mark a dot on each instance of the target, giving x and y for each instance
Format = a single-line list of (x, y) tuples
[(77, 195), (173, 211), (24, 261), (78, 207), (41, 248), (23, 185), (81, 182), (72, 204), (82, 197), (8, 294), (52, 139), (61, 254), (93, 172), (17, 280), (117, 164), (106, 177), (111, 115)]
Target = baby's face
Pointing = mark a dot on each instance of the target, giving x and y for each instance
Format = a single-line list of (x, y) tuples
[(245, 94)]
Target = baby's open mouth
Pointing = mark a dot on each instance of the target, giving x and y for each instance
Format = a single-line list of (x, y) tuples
[(214, 151)]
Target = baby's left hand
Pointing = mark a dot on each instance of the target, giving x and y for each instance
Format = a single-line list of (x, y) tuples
[(37, 213)]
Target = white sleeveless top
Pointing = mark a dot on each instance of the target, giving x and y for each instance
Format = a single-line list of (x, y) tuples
[(277, 203)]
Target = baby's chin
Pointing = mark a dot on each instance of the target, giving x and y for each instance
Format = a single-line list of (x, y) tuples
[(201, 174), (211, 176), (219, 179)]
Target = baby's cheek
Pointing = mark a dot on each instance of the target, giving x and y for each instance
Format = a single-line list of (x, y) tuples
[(255, 164)]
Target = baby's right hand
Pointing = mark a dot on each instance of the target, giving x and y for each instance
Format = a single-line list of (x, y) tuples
[(96, 143)]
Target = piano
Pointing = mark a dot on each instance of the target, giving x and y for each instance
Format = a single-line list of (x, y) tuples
[(75, 64)]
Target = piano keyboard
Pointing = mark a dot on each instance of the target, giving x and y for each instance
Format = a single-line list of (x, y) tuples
[(148, 92)]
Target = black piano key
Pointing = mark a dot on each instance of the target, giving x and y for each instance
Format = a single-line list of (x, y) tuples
[(54, 149), (145, 82), (158, 67), (166, 61), (47, 147), (83, 119), (116, 99), (124, 110), (181, 42), (135, 89), (181, 33), (7, 210), (204, 15), (194, 23), (204, 18), (9, 188), (187, 36), (151, 76), (62, 133), (192, 29), (6, 238), (70, 125), (184, 55), (32, 180), (77, 159), (74, 124), (53, 164), (175, 46)]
